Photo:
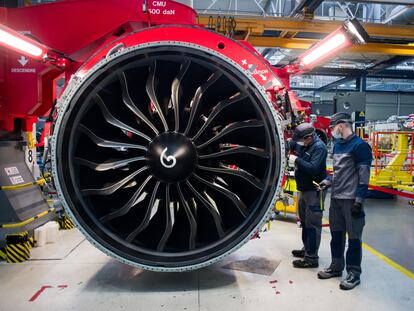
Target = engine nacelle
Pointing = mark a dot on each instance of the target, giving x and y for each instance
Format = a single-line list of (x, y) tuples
[(167, 152)]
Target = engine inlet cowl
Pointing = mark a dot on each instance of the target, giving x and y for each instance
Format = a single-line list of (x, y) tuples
[(167, 155)]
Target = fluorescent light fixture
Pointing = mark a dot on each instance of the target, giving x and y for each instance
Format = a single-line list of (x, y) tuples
[(325, 48), (355, 32), (16, 43), (350, 32)]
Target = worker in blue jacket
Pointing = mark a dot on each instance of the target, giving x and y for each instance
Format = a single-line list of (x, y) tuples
[(310, 167), (349, 184)]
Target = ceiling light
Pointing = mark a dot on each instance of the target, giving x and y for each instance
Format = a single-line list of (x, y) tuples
[(325, 48), (15, 41), (356, 31)]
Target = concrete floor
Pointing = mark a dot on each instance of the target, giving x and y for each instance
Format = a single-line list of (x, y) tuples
[(83, 278), (390, 229)]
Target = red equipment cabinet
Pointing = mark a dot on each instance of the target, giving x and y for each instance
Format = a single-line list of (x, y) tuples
[(75, 29)]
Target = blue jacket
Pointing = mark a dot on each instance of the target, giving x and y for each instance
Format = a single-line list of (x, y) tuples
[(311, 164), (351, 169)]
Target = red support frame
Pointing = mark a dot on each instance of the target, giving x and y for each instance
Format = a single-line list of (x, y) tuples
[(72, 30)]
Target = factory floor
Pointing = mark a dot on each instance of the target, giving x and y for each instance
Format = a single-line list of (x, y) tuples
[(73, 275)]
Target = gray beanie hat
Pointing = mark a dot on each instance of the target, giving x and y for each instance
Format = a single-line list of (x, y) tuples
[(302, 130)]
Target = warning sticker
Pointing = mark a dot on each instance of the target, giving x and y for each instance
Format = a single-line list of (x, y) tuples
[(16, 180), (11, 170)]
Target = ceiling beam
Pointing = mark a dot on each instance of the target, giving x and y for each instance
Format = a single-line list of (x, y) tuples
[(306, 5), (345, 72), (257, 26), (353, 90), (304, 44), (267, 6), (394, 2), (377, 68), (326, 71), (335, 83), (303, 11), (394, 74)]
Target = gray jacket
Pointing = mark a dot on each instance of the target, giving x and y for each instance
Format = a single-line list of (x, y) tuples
[(351, 169)]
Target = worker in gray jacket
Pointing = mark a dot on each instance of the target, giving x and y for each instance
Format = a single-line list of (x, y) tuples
[(351, 169), (309, 161)]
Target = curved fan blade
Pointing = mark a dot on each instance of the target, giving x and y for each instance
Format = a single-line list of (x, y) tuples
[(108, 143), (107, 165), (231, 128), (233, 197), (115, 186), (115, 122), (148, 216), (191, 219), (150, 87), (218, 109), (236, 150), (127, 207), (168, 155), (239, 173), (176, 93), (197, 97), (130, 104), (170, 219), (212, 209)]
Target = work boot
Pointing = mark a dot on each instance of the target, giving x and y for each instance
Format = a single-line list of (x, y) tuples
[(328, 273), (299, 253), (350, 282), (304, 264)]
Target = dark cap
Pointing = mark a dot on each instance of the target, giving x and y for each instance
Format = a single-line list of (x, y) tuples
[(302, 130), (340, 117)]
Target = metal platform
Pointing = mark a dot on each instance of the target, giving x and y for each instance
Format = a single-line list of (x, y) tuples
[(20, 208)]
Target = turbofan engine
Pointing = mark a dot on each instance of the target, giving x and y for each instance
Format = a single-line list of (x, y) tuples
[(167, 151)]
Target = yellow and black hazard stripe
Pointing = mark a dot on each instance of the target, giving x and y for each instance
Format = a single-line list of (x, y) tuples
[(31, 242), (28, 241), (3, 253), (17, 253), (18, 247), (65, 223)]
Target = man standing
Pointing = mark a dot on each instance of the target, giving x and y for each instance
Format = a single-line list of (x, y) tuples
[(310, 167), (351, 169)]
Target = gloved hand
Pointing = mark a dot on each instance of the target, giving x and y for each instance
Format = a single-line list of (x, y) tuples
[(356, 209), (324, 184), (292, 159), (290, 145)]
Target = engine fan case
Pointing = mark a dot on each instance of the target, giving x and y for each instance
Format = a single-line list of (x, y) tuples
[(201, 215)]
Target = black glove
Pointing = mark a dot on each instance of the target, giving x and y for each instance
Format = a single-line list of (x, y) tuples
[(324, 184), (290, 145), (356, 209)]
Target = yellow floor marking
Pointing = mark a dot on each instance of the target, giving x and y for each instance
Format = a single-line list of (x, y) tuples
[(385, 259), (388, 261)]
